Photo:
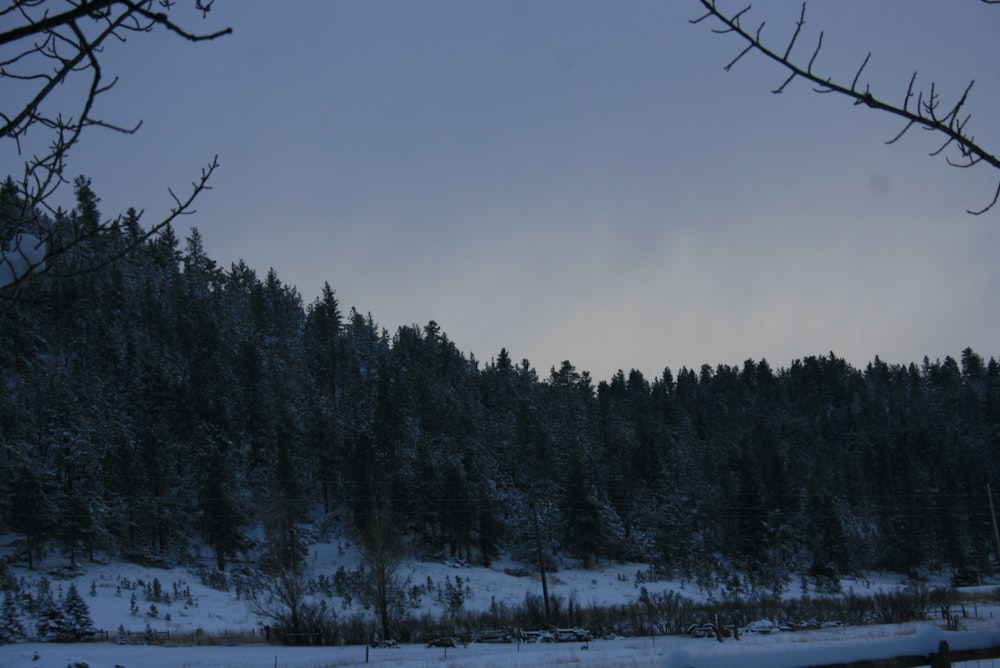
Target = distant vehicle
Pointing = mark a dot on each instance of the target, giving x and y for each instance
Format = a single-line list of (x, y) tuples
[(762, 626), (706, 630), (493, 636), (537, 636), (443, 642), (571, 635), (709, 630)]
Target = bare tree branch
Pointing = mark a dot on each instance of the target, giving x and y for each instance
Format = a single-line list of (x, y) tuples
[(48, 23), (33, 264), (926, 114), (45, 44)]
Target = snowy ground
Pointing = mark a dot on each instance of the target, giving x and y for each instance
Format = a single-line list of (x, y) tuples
[(108, 590), (777, 651)]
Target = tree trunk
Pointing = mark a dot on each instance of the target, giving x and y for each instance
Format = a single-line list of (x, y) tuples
[(541, 562)]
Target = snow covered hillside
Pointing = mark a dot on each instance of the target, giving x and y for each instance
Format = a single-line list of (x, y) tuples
[(171, 617), (122, 593)]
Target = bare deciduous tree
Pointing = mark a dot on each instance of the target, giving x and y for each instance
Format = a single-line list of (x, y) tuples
[(47, 45), (926, 111), (282, 599), (381, 552)]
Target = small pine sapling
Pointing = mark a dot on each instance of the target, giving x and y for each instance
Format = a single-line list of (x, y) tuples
[(79, 625), (11, 629)]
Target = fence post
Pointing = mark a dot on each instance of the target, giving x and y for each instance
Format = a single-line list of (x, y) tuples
[(943, 657)]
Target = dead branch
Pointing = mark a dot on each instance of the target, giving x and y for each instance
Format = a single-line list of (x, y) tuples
[(43, 265), (926, 114), (45, 44)]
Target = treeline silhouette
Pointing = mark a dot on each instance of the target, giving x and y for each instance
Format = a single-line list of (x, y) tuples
[(163, 402)]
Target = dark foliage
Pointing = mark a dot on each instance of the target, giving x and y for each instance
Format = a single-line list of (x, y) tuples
[(164, 400)]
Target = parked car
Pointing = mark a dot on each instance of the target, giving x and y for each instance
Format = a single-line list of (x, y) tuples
[(709, 630), (761, 626), (493, 636), (571, 635), (445, 641), (706, 630)]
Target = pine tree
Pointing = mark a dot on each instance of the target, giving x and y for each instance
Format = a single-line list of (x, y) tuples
[(28, 511), (490, 532), (325, 352), (78, 624), (585, 529), (11, 629), (222, 517), (76, 526), (52, 622), (86, 215)]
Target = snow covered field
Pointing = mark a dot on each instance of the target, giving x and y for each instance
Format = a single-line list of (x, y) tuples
[(775, 651), (193, 607)]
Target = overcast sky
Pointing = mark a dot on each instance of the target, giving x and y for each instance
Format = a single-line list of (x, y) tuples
[(575, 179)]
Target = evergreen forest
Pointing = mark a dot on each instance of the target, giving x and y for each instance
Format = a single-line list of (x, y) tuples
[(161, 406)]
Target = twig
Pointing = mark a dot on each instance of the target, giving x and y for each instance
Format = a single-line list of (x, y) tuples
[(925, 115)]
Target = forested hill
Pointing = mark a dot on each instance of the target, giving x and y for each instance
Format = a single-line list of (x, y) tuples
[(162, 402)]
